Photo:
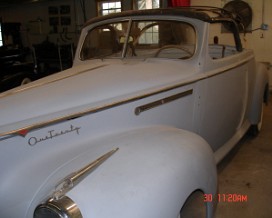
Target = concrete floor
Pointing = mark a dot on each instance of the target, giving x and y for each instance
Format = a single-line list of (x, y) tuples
[(247, 172)]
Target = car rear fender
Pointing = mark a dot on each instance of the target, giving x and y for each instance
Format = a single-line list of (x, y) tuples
[(152, 174), (261, 92)]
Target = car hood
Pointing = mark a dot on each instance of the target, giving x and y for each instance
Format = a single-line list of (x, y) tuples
[(87, 86)]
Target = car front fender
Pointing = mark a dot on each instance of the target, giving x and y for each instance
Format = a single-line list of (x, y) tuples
[(152, 174)]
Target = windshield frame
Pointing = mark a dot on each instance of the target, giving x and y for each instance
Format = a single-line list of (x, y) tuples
[(130, 21)]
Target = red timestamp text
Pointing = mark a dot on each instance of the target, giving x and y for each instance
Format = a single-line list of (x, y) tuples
[(225, 198)]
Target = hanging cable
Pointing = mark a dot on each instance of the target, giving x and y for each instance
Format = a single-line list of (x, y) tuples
[(82, 4)]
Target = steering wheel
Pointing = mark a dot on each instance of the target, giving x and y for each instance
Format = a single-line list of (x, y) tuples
[(173, 46)]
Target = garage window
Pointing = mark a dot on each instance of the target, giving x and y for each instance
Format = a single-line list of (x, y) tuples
[(146, 4), (105, 41), (108, 7), (1, 39), (163, 39)]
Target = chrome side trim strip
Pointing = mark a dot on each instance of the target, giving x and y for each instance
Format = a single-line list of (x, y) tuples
[(162, 101), (11, 92), (24, 130)]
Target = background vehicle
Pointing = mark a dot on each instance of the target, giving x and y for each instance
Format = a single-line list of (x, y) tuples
[(21, 65), (15, 71)]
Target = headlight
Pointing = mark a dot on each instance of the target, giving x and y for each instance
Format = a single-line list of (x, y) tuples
[(61, 208)]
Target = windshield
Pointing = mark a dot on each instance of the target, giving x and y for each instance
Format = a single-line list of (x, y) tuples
[(140, 39)]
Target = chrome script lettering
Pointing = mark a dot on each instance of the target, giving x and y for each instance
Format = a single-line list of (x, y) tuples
[(53, 134)]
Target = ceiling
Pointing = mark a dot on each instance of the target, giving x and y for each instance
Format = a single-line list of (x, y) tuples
[(8, 3)]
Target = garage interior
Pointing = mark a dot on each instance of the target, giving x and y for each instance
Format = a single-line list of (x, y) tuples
[(46, 33), (48, 30), (246, 171)]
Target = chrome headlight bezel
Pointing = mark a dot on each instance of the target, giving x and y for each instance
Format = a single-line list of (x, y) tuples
[(64, 207)]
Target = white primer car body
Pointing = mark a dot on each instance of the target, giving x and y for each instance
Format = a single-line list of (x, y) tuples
[(136, 127)]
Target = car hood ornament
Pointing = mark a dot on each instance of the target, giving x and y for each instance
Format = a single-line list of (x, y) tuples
[(76, 177)]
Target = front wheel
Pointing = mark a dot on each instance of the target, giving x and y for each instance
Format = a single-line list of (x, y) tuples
[(25, 80)]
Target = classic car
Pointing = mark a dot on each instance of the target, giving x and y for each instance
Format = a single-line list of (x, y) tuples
[(48, 58), (15, 71), (154, 100)]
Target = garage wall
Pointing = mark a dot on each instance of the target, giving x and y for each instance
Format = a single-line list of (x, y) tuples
[(36, 27), (35, 22), (259, 40)]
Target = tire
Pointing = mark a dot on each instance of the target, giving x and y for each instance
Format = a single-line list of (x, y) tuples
[(194, 206), (25, 80), (255, 129)]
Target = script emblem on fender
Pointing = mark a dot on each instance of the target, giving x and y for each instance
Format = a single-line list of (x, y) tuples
[(53, 134)]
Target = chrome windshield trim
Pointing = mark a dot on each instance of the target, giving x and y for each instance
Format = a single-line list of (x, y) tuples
[(127, 38)]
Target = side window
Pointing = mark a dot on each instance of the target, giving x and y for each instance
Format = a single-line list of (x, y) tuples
[(220, 44)]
